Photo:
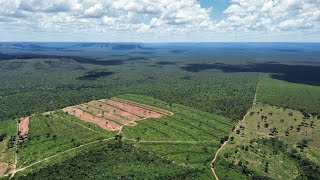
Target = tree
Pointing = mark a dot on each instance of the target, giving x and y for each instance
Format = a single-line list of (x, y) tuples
[(118, 138), (302, 144), (225, 138), (273, 131), (138, 139)]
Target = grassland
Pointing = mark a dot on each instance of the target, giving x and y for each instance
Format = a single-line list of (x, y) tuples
[(274, 143), (188, 138), (55, 133)]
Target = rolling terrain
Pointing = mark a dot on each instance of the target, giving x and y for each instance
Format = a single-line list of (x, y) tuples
[(159, 111)]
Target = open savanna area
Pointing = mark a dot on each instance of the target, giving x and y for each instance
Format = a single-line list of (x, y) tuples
[(272, 142)]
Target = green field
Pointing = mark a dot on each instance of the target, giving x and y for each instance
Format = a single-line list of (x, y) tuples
[(185, 142), (56, 133)]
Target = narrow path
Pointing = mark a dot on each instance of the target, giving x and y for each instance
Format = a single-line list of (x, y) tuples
[(226, 142), (50, 157)]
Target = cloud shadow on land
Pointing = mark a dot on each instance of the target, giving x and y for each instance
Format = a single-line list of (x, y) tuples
[(165, 63), (303, 74), (93, 75)]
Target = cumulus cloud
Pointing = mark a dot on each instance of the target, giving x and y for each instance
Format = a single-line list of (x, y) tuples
[(273, 15), (159, 16)]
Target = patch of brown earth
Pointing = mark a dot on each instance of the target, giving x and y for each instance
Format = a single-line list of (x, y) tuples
[(105, 114), (112, 114), (152, 108), (146, 113), (103, 123), (3, 168), (23, 128), (105, 107)]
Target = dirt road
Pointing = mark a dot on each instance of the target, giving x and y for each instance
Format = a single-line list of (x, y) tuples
[(226, 142)]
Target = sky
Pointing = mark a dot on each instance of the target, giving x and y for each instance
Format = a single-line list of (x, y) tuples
[(160, 20)]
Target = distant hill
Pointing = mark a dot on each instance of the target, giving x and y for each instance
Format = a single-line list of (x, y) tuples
[(71, 46)]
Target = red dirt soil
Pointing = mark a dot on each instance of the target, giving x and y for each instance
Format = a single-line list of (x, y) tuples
[(106, 115), (152, 108), (24, 127), (112, 114), (115, 110), (103, 123), (135, 110), (3, 168)]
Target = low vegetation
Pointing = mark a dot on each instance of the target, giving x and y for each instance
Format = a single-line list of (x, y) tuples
[(55, 133), (272, 143), (115, 161)]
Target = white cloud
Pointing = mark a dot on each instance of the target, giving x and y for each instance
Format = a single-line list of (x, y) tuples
[(95, 10), (272, 15), (158, 16)]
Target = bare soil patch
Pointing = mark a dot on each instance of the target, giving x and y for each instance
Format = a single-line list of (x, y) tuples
[(111, 114), (103, 123), (105, 114), (142, 112), (23, 128), (3, 168), (152, 108)]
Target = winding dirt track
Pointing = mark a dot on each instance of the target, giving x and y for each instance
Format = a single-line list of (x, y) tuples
[(226, 142)]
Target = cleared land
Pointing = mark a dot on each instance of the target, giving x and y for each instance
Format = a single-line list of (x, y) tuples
[(272, 142), (23, 128), (181, 136), (3, 168), (112, 114)]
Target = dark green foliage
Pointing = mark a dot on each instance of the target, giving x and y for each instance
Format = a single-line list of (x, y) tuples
[(290, 95), (225, 138), (2, 136), (28, 89), (115, 162), (302, 144)]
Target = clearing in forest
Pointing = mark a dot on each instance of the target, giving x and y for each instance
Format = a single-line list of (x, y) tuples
[(272, 142), (112, 114), (23, 128)]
